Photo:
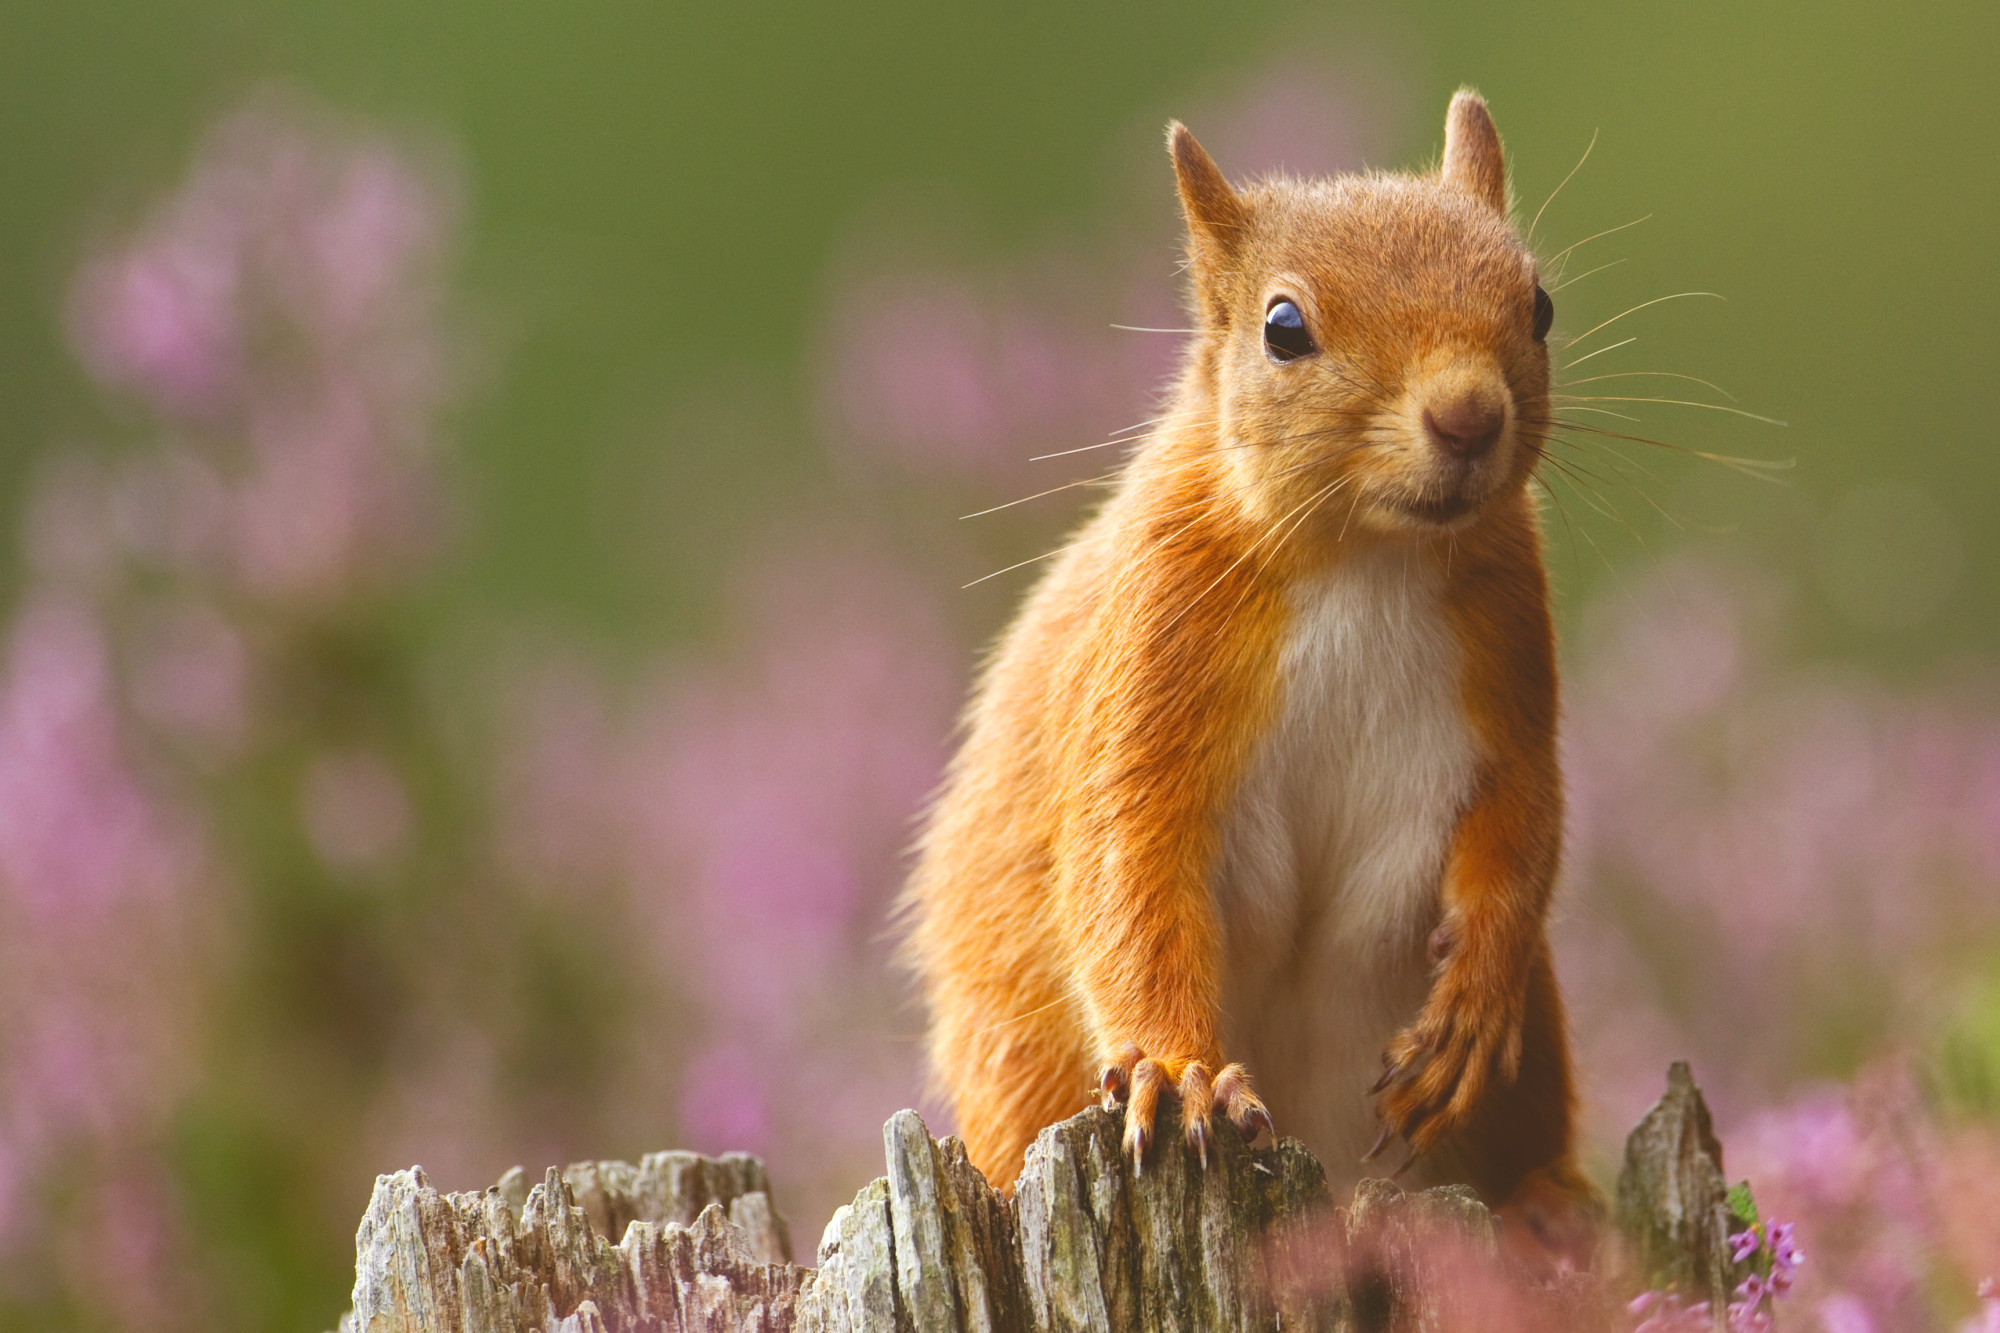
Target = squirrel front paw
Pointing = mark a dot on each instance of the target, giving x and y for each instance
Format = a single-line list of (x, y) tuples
[(1137, 1081), (1437, 1070)]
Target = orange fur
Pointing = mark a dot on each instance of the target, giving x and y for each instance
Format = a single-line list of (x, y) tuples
[(1063, 914)]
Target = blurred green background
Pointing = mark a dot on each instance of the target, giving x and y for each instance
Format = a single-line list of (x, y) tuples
[(655, 193), (661, 209)]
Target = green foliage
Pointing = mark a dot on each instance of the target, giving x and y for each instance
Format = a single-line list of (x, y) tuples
[(1742, 1204), (1966, 1064)]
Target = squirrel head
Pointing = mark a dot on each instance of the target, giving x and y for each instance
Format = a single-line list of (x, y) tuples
[(1384, 331)]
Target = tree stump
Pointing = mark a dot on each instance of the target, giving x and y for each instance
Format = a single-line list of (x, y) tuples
[(1251, 1243)]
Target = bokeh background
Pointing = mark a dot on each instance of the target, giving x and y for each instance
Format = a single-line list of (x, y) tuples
[(480, 496)]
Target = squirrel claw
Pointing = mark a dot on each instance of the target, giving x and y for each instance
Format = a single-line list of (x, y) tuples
[(1112, 1085), (1381, 1142), (1138, 1083), (1144, 1081), (1197, 1105), (1257, 1120), (1232, 1096), (1444, 1063), (1399, 1070)]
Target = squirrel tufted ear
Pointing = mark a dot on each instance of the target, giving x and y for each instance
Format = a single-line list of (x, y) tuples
[(1473, 164), (1214, 211)]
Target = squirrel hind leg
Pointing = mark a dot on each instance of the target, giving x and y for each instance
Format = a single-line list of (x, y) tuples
[(1554, 1221)]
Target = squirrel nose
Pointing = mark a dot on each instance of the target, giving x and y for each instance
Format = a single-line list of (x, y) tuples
[(1466, 426)]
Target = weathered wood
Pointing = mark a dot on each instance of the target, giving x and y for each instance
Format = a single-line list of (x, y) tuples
[(481, 1262), (1673, 1200), (1249, 1243)]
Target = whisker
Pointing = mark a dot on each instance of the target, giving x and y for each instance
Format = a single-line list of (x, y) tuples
[(1676, 402), (1600, 352), (1205, 502), (1571, 282), (1604, 411), (1609, 567), (1637, 490), (1632, 310), (1326, 493), (1602, 448), (1066, 486), (1758, 467), (1138, 430), (1661, 374), (1018, 565), (1559, 185), (1562, 254), (1065, 453), (1135, 328), (1568, 527), (1316, 499), (1138, 426), (1345, 413), (1247, 553), (1591, 495), (1576, 470)]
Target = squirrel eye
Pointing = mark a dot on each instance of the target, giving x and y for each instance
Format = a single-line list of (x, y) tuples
[(1285, 336), (1545, 313)]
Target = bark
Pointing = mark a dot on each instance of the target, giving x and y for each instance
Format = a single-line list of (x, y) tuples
[(1673, 1200), (1251, 1242)]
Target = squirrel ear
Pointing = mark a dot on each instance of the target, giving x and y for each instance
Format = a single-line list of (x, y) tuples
[(1214, 211), (1472, 161)]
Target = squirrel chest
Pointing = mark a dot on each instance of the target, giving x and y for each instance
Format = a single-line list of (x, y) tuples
[(1333, 846)]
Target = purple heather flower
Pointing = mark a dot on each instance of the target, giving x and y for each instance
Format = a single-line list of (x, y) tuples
[(276, 315), (1988, 1318), (1744, 1244), (158, 319), (1786, 1256), (79, 832), (938, 375), (1748, 1319), (1845, 1313), (1298, 117), (1782, 829), (1669, 1315), (284, 300), (725, 1101)]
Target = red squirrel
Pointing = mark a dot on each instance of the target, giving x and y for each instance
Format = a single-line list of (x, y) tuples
[(1258, 802)]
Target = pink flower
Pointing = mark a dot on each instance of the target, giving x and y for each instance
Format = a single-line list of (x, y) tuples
[(1845, 1314), (159, 319), (285, 297), (78, 830), (723, 1104)]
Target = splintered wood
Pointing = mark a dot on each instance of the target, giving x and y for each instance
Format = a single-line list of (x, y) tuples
[(1252, 1242)]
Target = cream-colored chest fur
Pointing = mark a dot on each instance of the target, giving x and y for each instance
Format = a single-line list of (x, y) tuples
[(1333, 847)]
